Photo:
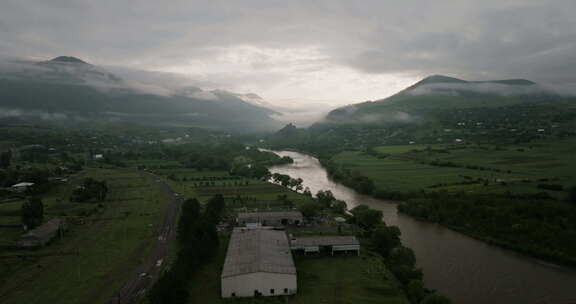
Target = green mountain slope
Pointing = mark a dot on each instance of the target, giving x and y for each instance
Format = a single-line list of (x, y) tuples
[(71, 89), (437, 93)]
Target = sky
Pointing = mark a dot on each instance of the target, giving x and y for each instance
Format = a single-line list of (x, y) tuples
[(304, 54)]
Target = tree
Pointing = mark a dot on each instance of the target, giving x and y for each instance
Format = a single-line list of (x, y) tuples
[(5, 159), (415, 291), (385, 238), (309, 210), (190, 213), (405, 273), (32, 213), (436, 299), (325, 198), (90, 189), (214, 209), (403, 256), (339, 206), (572, 196), (366, 218)]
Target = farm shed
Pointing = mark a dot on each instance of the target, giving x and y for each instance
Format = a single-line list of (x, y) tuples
[(43, 234), (258, 263), (332, 244), (21, 187), (277, 218)]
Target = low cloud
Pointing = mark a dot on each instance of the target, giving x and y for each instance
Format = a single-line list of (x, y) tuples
[(456, 89), (18, 113)]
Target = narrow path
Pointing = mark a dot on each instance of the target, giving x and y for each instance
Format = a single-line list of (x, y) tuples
[(151, 269)]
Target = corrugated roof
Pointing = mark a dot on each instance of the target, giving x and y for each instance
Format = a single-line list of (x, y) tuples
[(23, 184), (46, 230), (258, 250), (273, 214), (325, 241)]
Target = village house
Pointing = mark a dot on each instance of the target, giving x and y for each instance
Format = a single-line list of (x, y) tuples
[(22, 187), (43, 234)]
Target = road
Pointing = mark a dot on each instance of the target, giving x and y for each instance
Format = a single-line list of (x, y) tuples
[(147, 273)]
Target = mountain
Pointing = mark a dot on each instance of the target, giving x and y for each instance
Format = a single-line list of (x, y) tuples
[(68, 59), (436, 93), (70, 89)]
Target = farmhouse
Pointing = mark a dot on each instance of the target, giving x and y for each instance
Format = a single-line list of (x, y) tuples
[(258, 263), (21, 187), (257, 219), (43, 234), (332, 244)]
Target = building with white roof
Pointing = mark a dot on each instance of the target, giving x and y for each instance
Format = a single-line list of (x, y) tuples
[(331, 244), (258, 263), (21, 187)]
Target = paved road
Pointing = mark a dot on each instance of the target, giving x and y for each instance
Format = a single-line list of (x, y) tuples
[(147, 273)]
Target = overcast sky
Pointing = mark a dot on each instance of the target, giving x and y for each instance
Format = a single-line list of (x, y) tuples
[(294, 52)]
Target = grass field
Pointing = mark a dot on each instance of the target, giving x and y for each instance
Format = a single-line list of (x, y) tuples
[(255, 193), (521, 167), (398, 174), (399, 149), (111, 244)]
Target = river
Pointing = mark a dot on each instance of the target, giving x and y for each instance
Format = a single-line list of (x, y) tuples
[(465, 269)]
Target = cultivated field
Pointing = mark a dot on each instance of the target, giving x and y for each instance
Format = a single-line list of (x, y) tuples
[(519, 169)]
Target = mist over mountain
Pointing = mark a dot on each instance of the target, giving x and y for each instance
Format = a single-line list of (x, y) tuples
[(70, 89), (436, 93)]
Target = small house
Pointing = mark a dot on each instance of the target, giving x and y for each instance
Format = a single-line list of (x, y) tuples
[(43, 234), (21, 187)]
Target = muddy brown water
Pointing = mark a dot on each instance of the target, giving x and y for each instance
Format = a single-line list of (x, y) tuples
[(467, 270)]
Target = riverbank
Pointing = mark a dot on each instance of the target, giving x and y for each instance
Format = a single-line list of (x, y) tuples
[(542, 234), (540, 229), (465, 269)]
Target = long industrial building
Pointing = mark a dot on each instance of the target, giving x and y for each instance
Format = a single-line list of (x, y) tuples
[(328, 244), (258, 263), (274, 218)]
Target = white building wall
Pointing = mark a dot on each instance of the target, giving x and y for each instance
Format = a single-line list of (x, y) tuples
[(245, 285)]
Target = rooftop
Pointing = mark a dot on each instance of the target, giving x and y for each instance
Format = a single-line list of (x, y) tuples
[(23, 184), (258, 250), (325, 241), (46, 230), (272, 214)]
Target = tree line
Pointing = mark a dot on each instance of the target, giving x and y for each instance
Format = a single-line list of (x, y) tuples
[(537, 226), (197, 244)]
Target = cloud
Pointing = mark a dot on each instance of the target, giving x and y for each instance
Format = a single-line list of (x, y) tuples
[(300, 51), (456, 89), (16, 113)]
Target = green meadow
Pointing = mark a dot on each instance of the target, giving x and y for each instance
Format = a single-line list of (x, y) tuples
[(111, 242), (519, 169)]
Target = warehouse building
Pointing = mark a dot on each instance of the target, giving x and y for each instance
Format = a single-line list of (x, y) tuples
[(258, 263), (327, 244), (278, 218)]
